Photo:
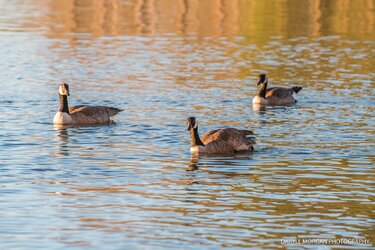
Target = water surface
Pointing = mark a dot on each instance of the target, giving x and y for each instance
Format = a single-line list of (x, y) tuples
[(133, 184)]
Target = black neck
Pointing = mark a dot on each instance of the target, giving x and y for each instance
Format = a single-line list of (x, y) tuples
[(195, 140), (262, 90), (64, 104)]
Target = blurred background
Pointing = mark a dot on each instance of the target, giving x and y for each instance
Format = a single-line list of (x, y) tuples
[(251, 19)]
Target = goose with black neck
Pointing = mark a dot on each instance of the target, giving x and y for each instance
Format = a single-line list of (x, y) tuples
[(219, 141), (81, 114), (274, 95)]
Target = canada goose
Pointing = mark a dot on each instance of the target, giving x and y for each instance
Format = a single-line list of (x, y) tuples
[(275, 95), (219, 141), (82, 114)]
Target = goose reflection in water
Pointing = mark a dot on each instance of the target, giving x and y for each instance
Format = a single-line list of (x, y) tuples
[(193, 163), (259, 108), (63, 138), (62, 133), (206, 163)]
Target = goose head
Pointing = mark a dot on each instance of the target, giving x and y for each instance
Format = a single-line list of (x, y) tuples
[(262, 79), (64, 89), (191, 123)]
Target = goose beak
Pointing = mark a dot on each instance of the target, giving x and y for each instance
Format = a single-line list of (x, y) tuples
[(189, 127)]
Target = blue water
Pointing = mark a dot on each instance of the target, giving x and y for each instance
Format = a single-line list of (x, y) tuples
[(134, 185)]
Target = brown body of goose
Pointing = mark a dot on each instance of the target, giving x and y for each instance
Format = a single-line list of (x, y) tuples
[(275, 95), (82, 114), (219, 141)]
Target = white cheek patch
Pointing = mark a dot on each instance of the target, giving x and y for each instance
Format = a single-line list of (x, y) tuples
[(196, 125), (63, 90)]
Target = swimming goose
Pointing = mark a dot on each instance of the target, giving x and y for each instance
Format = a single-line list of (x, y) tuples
[(275, 95), (82, 114), (219, 141)]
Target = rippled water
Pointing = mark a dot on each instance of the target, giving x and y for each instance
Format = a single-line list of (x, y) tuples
[(133, 184)]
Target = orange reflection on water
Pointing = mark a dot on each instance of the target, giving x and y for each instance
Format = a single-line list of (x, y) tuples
[(251, 19)]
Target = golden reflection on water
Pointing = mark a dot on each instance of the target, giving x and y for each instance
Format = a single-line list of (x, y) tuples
[(279, 202), (221, 25), (252, 19)]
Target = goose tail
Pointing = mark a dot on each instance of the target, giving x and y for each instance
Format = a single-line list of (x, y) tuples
[(114, 111), (296, 89), (247, 132)]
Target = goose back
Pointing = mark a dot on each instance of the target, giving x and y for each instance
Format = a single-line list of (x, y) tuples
[(280, 96), (83, 114)]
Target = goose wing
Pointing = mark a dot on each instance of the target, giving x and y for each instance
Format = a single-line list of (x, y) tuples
[(210, 136), (228, 140), (279, 92), (71, 109)]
